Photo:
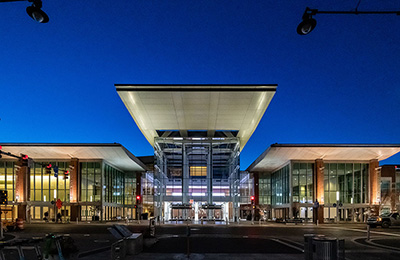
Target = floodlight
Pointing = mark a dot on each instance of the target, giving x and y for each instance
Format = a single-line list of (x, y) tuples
[(308, 24), (36, 13)]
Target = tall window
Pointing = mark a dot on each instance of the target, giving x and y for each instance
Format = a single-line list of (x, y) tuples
[(349, 179), (302, 182), (7, 179), (280, 186), (114, 185), (264, 184), (48, 187), (90, 181)]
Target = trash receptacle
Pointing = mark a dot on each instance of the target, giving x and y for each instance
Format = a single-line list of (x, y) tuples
[(118, 250), (134, 244), (325, 248), (308, 245)]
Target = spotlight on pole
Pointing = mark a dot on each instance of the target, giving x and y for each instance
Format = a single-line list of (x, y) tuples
[(36, 13), (308, 24)]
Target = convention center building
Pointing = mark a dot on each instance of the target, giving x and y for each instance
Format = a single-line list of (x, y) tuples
[(198, 133)]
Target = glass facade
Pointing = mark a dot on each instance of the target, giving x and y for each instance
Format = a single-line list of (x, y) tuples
[(265, 191), (47, 187), (7, 178), (90, 181), (302, 182), (114, 185), (102, 189), (200, 171), (349, 179), (280, 186), (246, 187)]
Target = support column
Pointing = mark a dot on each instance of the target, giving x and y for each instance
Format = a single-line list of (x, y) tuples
[(185, 176), (209, 183), (374, 182), (22, 189), (256, 188), (74, 189), (163, 187), (139, 193), (319, 190)]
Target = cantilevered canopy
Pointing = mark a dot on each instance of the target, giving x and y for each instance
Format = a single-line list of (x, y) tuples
[(230, 108), (278, 155), (115, 154)]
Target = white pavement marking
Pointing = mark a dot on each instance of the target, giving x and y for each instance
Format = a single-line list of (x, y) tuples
[(365, 231), (287, 244)]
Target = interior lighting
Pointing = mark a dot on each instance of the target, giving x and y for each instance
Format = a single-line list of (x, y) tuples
[(308, 23)]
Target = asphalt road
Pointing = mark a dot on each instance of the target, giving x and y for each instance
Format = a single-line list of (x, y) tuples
[(225, 242)]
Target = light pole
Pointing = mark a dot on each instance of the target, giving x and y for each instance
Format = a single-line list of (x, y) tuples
[(308, 22), (337, 206)]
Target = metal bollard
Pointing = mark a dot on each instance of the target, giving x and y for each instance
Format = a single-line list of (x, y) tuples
[(368, 232), (308, 245), (326, 248), (341, 250)]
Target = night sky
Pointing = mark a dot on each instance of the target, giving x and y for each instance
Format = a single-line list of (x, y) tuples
[(339, 84)]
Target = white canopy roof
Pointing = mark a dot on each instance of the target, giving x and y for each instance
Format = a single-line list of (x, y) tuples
[(278, 155), (197, 107), (115, 154)]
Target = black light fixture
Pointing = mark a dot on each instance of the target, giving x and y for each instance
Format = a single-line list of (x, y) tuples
[(34, 11), (308, 24)]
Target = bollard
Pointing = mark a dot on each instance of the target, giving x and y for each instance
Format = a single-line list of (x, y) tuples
[(326, 248), (341, 249), (308, 245), (187, 241), (368, 232), (77, 220)]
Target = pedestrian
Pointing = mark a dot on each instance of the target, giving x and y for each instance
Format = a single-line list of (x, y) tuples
[(59, 217), (46, 216)]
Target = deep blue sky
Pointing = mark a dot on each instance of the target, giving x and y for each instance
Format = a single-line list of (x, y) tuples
[(339, 84)]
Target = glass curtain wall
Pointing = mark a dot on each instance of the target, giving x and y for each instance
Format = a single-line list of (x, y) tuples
[(265, 192), (246, 187), (192, 173), (302, 182), (114, 195), (47, 188), (7, 182), (7, 178), (350, 181), (147, 191), (90, 190), (130, 194), (280, 186)]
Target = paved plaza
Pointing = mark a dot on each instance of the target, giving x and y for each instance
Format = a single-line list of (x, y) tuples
[(210, 241)]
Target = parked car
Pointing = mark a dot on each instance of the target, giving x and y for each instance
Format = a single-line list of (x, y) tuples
[(384, 220)]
